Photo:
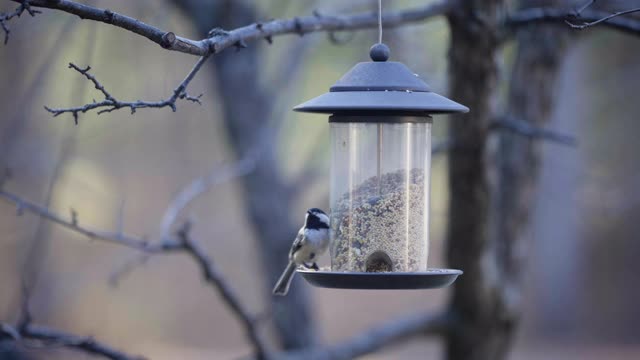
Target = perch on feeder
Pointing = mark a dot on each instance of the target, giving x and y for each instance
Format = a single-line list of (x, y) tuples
[(380, 166)]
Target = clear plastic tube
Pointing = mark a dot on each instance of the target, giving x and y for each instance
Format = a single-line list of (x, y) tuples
[(380, 193)]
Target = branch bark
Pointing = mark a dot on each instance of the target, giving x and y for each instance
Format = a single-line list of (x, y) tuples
[(50, 336), (530, 130), (118, 238), (552, 15), (376, 338), (531, 100), (5, 17), (472, 81), (110, 103), (183, 243), (222, 40)]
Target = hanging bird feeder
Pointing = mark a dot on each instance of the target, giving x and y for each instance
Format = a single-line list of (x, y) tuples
[(380, 127)]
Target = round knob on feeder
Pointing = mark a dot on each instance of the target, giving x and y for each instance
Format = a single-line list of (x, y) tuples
[(379, 52)]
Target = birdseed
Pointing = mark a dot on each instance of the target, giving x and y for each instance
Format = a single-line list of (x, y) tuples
[(375, 231)]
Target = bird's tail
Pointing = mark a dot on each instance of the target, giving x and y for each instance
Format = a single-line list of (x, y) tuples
[(282, 286)]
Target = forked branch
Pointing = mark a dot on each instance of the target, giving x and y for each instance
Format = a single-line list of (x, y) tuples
[(588, 18), (586, 23), (531, 131), (42, 336), (5, 17), (183, 243), (30, 335), (110, 103)]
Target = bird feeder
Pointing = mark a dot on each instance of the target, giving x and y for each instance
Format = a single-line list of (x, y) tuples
[(380, 128)]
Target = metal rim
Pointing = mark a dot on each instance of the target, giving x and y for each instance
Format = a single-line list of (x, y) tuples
[(430, 279)]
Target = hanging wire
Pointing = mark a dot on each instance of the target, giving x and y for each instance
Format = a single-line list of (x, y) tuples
[(379, 21)]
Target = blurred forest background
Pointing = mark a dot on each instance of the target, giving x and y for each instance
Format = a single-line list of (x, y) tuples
[(581, 295)]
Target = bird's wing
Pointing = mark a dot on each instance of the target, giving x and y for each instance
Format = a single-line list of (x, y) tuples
[(297, 243)]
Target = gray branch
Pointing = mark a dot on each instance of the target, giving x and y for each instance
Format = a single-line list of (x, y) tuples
[(586, 24), (376, 338), (587, 17), (110, 103), (118, 238), (222, 40), (45, 336), (37, 336), (526, 129), (182, 243), (5, 17), (204, 183)]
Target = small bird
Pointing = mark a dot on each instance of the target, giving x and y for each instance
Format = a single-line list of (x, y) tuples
[(311, 242)]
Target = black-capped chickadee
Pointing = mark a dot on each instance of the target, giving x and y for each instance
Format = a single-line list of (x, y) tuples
[(311, 242)]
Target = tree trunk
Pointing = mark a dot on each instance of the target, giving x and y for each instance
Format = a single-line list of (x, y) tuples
[(531, 94), (486, 222), (480, 331), (247, 107)]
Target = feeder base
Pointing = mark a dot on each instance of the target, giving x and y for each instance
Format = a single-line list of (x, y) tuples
[(430, 279)]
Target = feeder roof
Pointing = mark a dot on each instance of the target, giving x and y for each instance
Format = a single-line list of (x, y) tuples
[(381, 86)]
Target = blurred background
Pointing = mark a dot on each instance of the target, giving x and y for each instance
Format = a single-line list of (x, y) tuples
[(116, 169)]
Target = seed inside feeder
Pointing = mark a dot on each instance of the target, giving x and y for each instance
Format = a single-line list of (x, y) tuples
[(380, 226)]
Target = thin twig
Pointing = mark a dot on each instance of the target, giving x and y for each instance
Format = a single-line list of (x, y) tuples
[(5, 17), (46, 337), (36, 336), (266, 30), (596, 22), (526, 129), (532, 16), (578, 16), (203, 184), (585, 6), (213, 276), (110, 103), (119, 238)]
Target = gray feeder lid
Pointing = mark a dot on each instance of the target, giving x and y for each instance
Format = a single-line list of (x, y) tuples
[(381, 86)]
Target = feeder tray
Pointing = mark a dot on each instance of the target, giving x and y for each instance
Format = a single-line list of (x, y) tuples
[(430, 279)]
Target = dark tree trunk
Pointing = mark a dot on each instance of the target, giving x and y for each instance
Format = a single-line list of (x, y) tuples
[(487, 220), (247, 108), (531, 94), (480, 330)]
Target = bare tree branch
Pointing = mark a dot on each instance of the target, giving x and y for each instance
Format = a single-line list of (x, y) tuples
[(118, 238), (203, 184), (213, 276), (184, 243), (37, 336), (529, 130), (596, 22), (5, 17), (578, 14), (54, 337), (531, 16), (379, 337), (110, 103), (240, 36)]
